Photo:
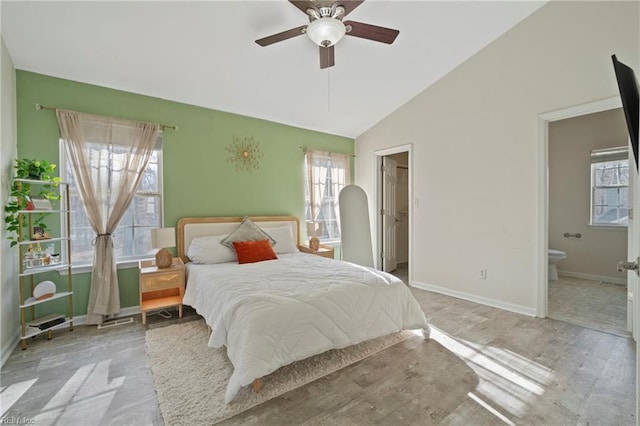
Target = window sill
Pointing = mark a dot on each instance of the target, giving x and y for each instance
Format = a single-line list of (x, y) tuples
[(83, 269), (609, 227), (331, 242)]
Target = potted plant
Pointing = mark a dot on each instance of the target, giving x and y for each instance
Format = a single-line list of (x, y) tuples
[(21, 193), (34, 169)]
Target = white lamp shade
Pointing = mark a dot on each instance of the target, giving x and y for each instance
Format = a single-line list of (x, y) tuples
[(163, 237), (326, 31)]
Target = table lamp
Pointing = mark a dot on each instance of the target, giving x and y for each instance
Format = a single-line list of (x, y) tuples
[(162, 238)]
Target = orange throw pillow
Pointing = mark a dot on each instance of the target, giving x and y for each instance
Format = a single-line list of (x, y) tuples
[(254, 251)]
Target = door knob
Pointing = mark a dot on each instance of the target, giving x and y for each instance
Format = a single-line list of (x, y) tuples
[(629, 266)]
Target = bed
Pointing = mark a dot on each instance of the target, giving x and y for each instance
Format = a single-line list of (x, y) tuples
[(271, 313)]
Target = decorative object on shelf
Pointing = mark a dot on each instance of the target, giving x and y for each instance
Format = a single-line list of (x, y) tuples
[(314, 243), (44, 290), (245, 153), (49, 321), (40, 233), (41, 203), (21, 197), (162, 238)]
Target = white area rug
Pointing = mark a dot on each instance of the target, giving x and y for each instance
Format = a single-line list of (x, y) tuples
[(191, 378)]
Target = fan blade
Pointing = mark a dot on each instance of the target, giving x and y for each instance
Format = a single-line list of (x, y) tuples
[(303, 5), (372, 32), (348, 5), (327, 58), (281, 36)]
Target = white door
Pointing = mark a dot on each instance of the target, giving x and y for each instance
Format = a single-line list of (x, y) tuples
[(389, 214), (633, 244)]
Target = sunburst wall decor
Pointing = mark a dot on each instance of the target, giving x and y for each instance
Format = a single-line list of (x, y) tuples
[(245, 153)]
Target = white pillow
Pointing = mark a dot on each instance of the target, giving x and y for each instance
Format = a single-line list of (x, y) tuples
[(283, 238), (209, 250)]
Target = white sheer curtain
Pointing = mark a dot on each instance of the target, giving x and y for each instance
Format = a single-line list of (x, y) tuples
[(108, 158), (327, 173)]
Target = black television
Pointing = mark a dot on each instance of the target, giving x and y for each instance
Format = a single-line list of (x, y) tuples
[(628, 86)]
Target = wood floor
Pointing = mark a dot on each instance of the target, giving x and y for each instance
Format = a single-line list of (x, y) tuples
[(593, 304), (481, 366)]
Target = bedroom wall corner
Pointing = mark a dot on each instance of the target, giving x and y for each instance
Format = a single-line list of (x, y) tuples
[(10, 314)]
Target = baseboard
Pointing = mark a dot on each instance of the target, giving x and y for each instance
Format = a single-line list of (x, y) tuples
[(613, 280), (518, 309), (128, 311), (8, 349)]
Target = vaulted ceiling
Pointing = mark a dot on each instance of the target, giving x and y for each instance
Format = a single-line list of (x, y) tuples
[(203, 53)]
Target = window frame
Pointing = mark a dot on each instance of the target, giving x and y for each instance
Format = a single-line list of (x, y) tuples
[(121, 263), (307, 189), (600, 156)]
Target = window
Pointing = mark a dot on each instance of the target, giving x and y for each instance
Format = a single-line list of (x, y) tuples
[(132, 239), (325, 175), (610, 186)]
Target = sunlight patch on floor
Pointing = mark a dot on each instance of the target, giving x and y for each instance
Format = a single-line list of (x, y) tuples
[(10, 394), (490, 409), (84, 398), (52, 362), (509, 383)]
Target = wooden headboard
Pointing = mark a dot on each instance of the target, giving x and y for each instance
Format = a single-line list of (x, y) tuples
[(191, 227)]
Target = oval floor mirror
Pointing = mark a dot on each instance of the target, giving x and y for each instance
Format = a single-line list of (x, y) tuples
[(354, 226)]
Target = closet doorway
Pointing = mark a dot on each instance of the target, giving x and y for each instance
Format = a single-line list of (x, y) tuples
[(394, 212)]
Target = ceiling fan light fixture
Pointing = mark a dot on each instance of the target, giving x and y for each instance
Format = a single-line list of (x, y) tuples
[(326, 31)]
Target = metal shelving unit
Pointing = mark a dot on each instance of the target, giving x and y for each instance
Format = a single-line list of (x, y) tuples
[(27, 275)]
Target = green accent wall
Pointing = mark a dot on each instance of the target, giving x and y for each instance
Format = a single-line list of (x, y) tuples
[(198, 178)]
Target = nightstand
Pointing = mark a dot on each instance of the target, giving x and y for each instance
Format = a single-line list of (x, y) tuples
[(324, 250), (160, 288)]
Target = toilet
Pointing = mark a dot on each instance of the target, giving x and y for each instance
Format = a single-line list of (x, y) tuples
[(555, 256)]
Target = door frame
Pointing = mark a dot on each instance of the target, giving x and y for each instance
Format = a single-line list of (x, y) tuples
[(389, 249), (543, 187), (379, 203)]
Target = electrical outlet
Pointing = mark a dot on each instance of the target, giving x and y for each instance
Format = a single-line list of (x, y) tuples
[(483, 274)]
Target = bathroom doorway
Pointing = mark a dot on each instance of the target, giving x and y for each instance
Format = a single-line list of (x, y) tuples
[(585, 241), (394, 208)]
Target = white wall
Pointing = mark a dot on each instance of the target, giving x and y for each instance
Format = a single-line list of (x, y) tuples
[(475, 153), (599, 250), (9, 319)]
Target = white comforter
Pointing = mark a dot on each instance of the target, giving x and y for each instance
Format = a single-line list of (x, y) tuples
[(272, 313)]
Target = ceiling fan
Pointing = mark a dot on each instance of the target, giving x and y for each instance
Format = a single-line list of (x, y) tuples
[(326, 27)]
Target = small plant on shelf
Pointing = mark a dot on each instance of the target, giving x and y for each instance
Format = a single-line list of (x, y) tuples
[(21, 194), (34, 169)]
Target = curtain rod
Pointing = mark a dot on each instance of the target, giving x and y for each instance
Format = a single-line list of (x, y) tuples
[(305, 149), (164, 126)]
